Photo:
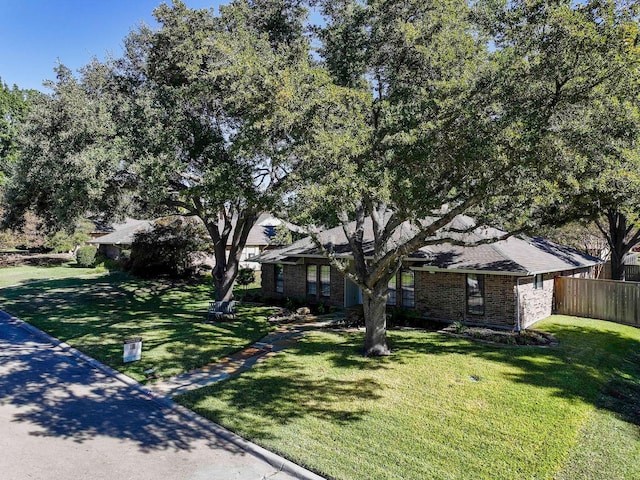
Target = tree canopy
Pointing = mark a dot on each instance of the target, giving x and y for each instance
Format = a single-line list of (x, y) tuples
[(13, 109), (198, 118), (69, 153), (600, 140), (448, 107), (211, 107), (395, 116)]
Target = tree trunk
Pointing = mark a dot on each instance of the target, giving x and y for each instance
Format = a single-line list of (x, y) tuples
[(223, 281), (617, 266), (375, 320), (618, 243), (227, 264)]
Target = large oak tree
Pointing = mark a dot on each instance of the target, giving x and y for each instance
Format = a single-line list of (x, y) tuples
[(441, 108), (198, 118)]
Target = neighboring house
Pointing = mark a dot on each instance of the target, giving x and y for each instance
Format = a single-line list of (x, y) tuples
[(121, 237), (258, 240), (508, 283)]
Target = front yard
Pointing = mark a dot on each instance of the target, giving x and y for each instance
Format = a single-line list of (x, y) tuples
[(445, 407), (27, 273), (96, 314), (440, 407)]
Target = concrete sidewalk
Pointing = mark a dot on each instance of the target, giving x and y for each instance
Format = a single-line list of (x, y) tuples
[(63, 414), (282, 338)]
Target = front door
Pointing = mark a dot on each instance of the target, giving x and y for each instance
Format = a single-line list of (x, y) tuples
[(352, 294)]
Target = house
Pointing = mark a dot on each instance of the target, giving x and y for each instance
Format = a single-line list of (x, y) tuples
[(258, 240), (122, 235), (507, 283)]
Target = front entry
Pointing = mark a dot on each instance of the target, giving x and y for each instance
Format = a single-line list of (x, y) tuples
[(352, 294)]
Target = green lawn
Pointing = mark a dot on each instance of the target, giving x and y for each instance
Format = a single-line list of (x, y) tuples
[(96, 314), (445, 408), (26, 274)]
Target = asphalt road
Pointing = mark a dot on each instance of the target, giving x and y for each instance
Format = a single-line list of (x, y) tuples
[(62, 418)]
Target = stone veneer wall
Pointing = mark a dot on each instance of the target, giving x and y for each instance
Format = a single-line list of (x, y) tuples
[(538, 304), (295, 283)]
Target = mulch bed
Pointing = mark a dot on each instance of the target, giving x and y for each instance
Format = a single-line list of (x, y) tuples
[(527, 337)]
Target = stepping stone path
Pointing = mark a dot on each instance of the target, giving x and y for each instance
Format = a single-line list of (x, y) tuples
[(282, 338)]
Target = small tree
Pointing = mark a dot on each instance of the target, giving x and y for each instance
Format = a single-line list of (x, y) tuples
[(246, 276)]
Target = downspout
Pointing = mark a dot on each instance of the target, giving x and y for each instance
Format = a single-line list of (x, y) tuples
[(518, 323)]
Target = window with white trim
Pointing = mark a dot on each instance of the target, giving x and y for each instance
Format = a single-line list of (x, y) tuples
[(392, 297), (325, 281), (475, 294), (407, 285), (312, 279), (279, 274)]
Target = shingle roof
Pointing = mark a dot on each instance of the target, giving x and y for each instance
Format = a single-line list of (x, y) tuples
[(123, 233), (515, 255)]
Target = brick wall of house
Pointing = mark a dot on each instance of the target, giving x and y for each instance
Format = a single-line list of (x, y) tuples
[(440, 295), (295, 283), (268, 280), (443, 296), (500, 300)]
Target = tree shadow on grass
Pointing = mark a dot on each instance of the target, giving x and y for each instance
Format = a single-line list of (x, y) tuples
[(597, 366), (268, 397), (64, 398)]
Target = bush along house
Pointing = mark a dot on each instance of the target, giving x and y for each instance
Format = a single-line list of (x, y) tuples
[(507, 283)]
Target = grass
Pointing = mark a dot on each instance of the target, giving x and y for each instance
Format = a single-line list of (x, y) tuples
[(95, 315), (25, 274), (445, 408)]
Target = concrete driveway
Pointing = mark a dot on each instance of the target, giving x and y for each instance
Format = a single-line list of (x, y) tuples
[(62, 418)]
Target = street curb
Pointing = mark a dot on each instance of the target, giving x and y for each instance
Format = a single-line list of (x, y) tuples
[(273, 459)]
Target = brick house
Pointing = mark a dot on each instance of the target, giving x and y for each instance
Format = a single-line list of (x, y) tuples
[(507, 283)]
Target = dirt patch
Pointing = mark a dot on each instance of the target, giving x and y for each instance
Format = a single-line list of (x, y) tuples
[(34, 259)]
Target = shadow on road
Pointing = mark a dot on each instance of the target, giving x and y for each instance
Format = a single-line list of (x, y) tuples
[(64, 398)]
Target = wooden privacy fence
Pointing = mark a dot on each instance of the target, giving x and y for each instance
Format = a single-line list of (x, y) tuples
[(603, 299), (632, 273)]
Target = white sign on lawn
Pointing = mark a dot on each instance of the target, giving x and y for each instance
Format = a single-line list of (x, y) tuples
[(132, 349)]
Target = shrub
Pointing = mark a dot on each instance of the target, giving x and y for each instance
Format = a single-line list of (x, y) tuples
[(86, 256), (246, 276), (168, 248)]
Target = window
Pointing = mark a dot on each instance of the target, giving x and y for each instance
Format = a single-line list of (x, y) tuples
[(391, 299), (538, 281), (407, 283), (279, 274), (312, 279), (475, 294), (325, 281)]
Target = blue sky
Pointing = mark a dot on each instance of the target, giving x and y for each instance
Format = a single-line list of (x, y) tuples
[(36, 34)]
